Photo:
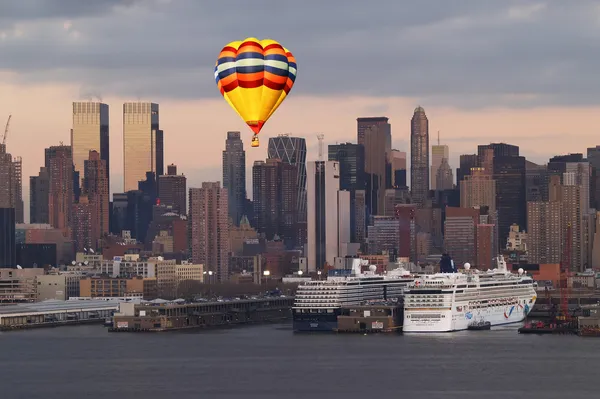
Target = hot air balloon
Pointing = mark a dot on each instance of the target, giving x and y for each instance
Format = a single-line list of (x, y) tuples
[(255, 76)]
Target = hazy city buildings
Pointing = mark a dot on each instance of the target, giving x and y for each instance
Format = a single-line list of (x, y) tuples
[(234, 175), (419, 157), (142, 143)]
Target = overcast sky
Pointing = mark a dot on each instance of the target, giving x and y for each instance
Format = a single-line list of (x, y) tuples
[(457, 53), (484, 70)]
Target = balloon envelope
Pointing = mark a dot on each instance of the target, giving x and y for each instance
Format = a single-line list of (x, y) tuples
[(255, 76)]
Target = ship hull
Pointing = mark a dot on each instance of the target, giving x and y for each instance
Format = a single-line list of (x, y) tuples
[(315, 322), (459, 317)]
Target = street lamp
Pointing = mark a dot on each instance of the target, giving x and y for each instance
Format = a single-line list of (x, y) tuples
[(266, 273), (300, 272), (319, 273)]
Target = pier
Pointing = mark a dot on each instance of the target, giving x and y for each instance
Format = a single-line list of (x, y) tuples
[(148, 317), (55, 313)]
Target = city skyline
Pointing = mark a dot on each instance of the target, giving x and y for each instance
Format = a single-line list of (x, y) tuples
[(532, 110)]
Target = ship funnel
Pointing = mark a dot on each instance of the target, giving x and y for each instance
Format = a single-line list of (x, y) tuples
[(356, 262), (501, 263)]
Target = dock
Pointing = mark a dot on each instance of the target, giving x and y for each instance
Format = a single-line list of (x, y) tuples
[(161, 317), (378, 317), (55, 313)]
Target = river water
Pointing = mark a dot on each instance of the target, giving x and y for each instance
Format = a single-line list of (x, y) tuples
[(270, 361)]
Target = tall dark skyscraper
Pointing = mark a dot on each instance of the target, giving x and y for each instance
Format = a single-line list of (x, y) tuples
[(419, 157), (376, 136), (593, 157), (275, 192), (292, 150), (234, 175), (96, 188), (11, 188), (351, 158), (509, 171), (60, 196), (172, 190), (364, 124), (7, 237), (39, 187)]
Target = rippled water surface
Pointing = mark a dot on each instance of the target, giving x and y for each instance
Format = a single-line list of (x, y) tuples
[(271, 362)]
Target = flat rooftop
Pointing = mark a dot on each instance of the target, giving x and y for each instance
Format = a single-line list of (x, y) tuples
[(56, 306)]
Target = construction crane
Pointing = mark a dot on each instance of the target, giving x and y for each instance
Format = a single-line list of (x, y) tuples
[(6, 130)]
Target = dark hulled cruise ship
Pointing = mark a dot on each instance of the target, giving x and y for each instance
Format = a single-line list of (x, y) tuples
[(318, 303)]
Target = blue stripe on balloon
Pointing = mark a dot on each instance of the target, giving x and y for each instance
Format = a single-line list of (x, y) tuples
[(250, 69), (227, 72), (223, 60), (276, 71), (276, 57), (293, 65), (251, 54)]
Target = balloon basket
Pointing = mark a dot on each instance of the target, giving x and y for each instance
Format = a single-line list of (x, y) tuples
[(255, 142)]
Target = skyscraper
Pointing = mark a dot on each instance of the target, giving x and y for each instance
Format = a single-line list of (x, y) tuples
[(439, 152), (82, 222), (364, 124), (142, 143), (509, 174), (376, 136), (266, 181), (328, 211), (478, 189), (275, 195), (234, 175), (7, 237), (209, 227), (96, 188), (38, 196), (10, 183), (60, 196), (89, 133), (397, 168), (419, 157), (172, 190), (351, 158), (292, 150)]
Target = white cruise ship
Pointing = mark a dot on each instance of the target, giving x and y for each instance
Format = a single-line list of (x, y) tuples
[(318, 302), (444, 302)]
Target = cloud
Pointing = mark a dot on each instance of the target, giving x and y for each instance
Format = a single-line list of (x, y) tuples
[(468, 54)]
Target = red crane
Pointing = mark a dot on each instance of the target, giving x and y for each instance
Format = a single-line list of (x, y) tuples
[(565, 268)]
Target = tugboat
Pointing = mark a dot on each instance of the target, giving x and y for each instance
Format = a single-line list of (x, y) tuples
[(479, 325)]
